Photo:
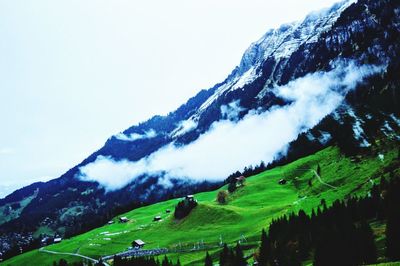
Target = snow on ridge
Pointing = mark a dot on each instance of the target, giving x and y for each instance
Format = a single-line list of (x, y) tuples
[(218, 92), (279, 43), (307, 31), (248, 77)]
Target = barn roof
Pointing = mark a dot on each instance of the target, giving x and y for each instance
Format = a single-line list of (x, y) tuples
[(139, 242)]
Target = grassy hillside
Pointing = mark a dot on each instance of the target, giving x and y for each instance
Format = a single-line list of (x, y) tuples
[(249, 209)]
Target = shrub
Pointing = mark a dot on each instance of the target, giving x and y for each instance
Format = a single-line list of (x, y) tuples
[(222, 197)]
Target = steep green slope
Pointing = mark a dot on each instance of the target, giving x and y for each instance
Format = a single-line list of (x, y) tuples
[(249, 209)]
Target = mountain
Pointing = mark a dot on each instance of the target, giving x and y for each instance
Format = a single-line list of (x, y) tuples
[(329, 79), (246, 211)]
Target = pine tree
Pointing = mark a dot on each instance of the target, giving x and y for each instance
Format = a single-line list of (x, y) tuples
[(326, 253), (224, 255), (208, 261), (63, 262), (265, 249), (393, 235), (393, 221), (239, 256), (165, 261), (367, 245)]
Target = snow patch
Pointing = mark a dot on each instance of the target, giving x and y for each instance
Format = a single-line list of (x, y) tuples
[(358, 131), (218, 92), (310, 136), (248, 77), (395, 119), (135, 136), (325, 137), (184, 127)]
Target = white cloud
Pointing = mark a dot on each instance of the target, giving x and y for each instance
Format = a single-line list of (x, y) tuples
[(229, 145), (232, 110), (75, 82), (135, 136), (110, 173), (184, 127)]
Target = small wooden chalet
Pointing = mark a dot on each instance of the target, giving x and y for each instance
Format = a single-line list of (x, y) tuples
[(190, 198), (240, 180), (138, 244), (123, 219)]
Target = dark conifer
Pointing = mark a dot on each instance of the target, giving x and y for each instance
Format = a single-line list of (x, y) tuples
[(368, 252), (392, 202), (63, 262), (239, 256), (208, 261), (224, 256), (265, 249)]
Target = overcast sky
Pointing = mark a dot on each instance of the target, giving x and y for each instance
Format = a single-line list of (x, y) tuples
[(73, 73)]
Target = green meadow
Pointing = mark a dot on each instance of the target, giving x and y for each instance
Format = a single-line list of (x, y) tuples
[(249, 209)]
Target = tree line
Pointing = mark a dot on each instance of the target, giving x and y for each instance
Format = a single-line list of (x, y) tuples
[(335, 235), (338, 235)]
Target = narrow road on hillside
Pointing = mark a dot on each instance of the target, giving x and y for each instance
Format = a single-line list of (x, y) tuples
[(71, 254), (320, 179), (317, 175)]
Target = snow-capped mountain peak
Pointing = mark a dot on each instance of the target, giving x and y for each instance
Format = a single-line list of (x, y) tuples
[(278, 44)]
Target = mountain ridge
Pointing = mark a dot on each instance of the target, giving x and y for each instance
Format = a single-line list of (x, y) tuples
[(353, 34)]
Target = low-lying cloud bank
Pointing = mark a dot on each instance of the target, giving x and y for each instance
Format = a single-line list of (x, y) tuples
[(232, 145)]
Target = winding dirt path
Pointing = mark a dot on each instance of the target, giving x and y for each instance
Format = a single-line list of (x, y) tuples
[(317, 175), (72, 254), (320, 179)]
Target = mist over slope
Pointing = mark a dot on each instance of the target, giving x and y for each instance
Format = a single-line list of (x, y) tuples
[(232, 144)]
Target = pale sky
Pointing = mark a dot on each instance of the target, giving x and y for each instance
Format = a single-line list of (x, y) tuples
[(73, 72)]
